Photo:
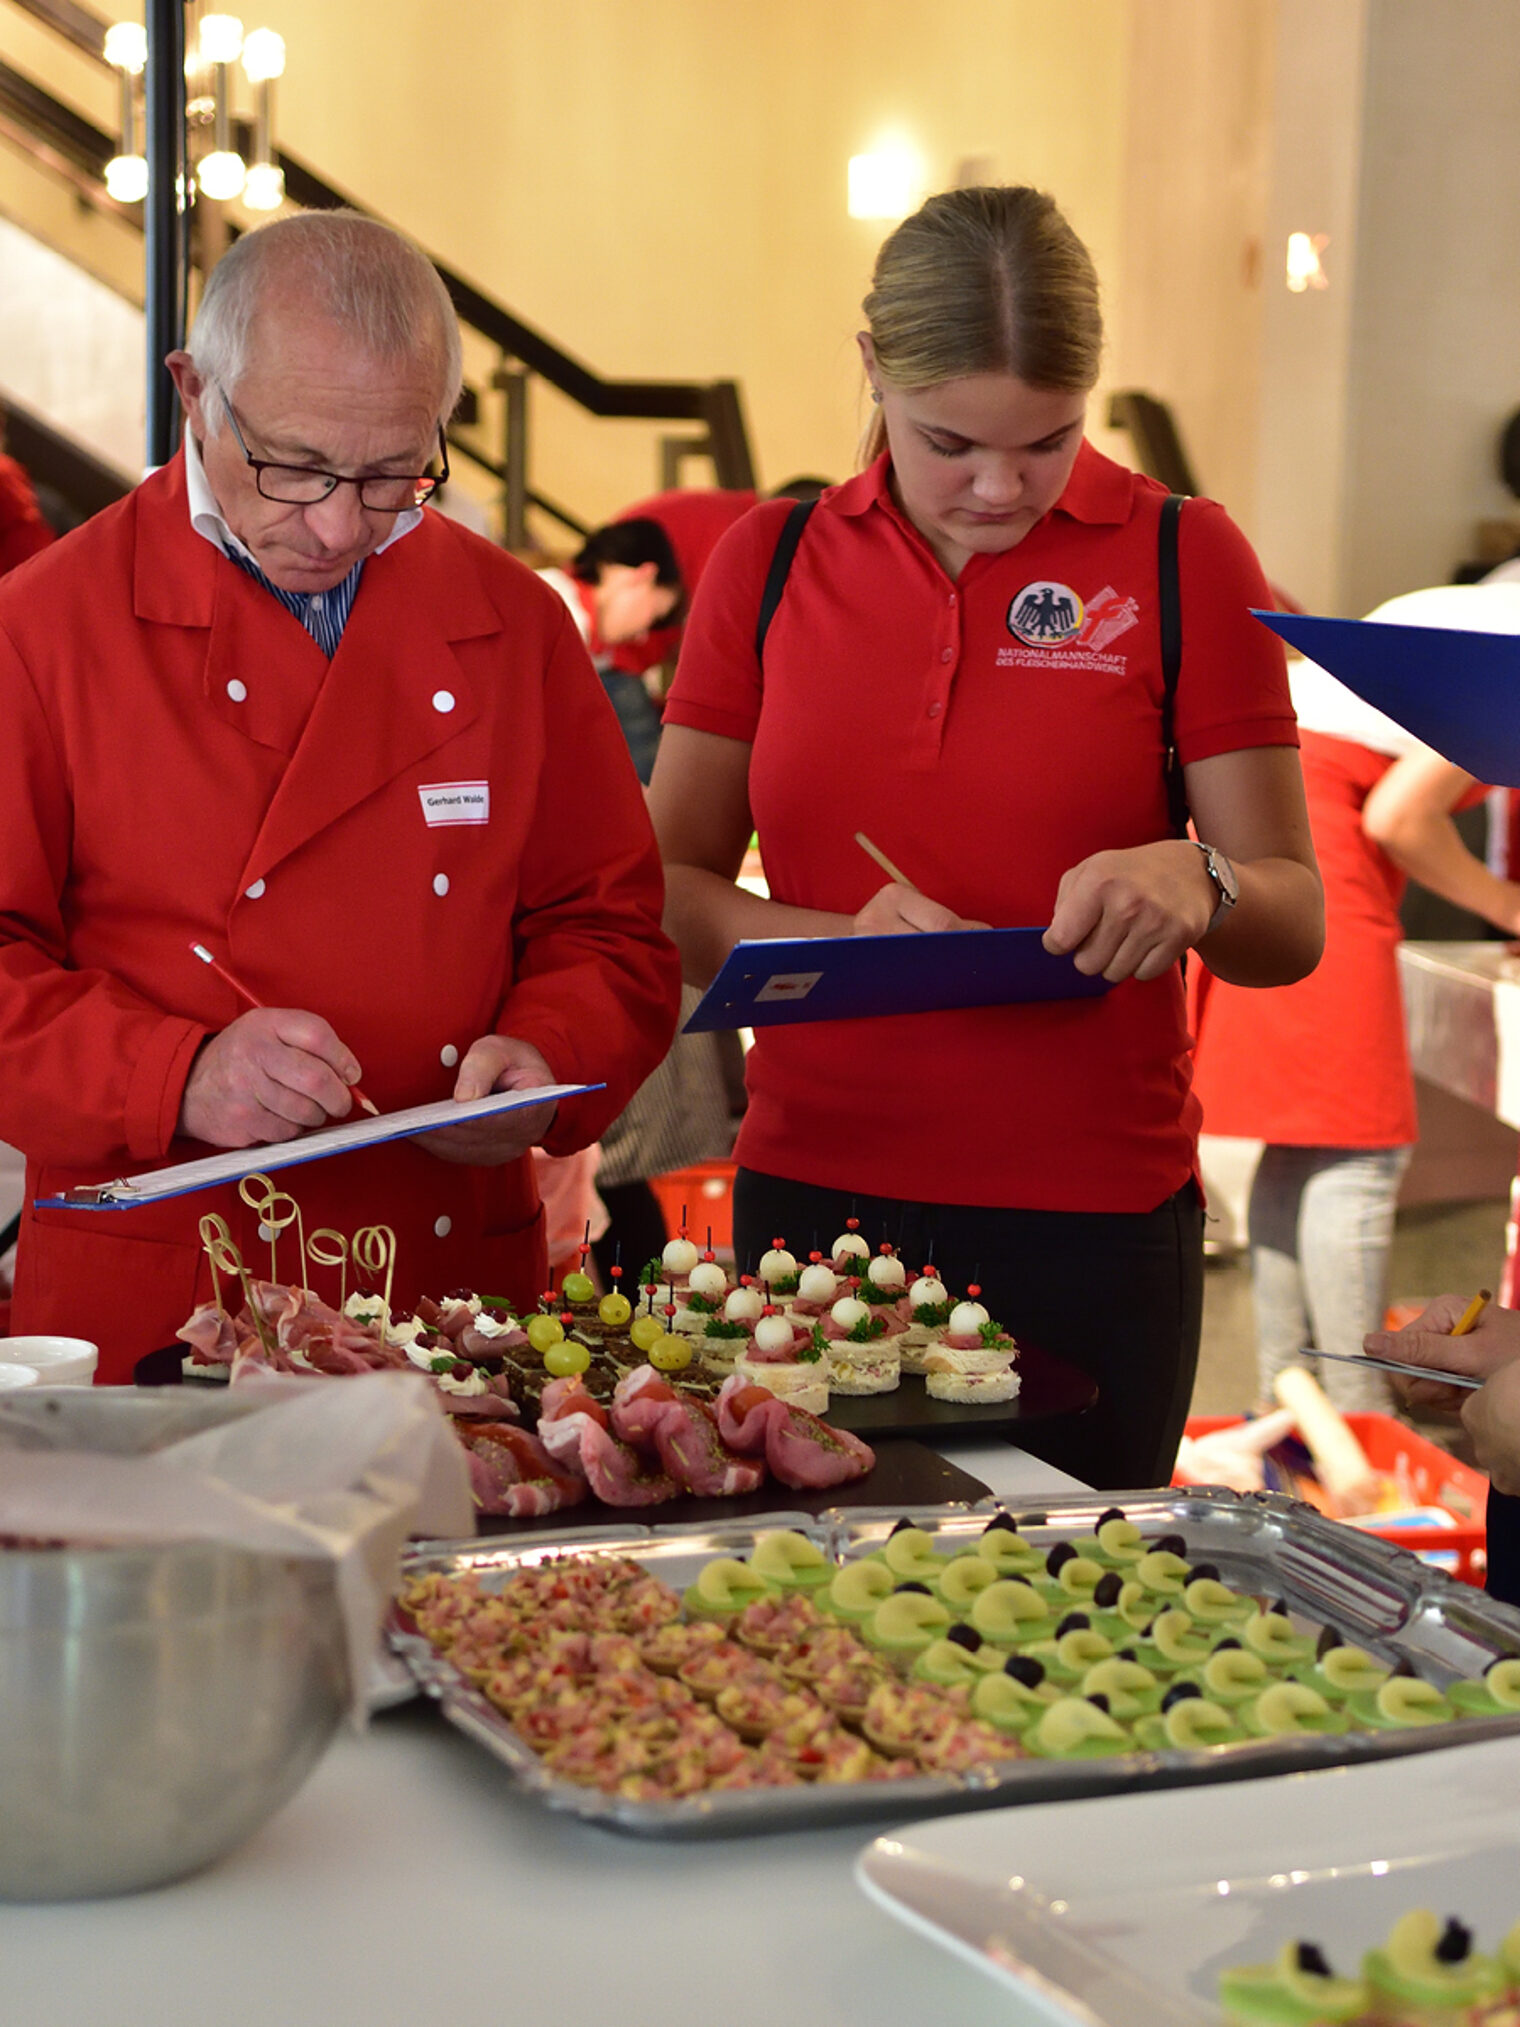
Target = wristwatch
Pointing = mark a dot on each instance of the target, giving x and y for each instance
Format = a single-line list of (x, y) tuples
[(1222, 873)]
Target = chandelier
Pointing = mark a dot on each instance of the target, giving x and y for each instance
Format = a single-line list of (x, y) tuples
[(219, 51)]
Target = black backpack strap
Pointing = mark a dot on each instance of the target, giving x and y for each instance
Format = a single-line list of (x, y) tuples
[(1171, 660), (780, 570)]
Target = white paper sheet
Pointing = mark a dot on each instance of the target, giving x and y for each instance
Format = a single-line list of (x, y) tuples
[(186, 1176)]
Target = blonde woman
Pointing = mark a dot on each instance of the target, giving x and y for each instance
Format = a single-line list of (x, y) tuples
[(965, 664)]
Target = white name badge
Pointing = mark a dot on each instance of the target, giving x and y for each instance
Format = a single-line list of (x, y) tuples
[(456, 801)]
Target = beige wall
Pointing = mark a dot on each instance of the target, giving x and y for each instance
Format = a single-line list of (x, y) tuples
[(1188, 308), (659, 184)]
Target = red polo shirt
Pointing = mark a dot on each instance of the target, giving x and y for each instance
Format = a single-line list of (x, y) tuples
[(695, 518), (987, 734)]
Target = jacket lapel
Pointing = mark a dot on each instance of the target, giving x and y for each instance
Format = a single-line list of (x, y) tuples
[(394, 692)]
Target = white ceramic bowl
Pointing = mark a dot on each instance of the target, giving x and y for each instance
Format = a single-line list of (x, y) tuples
[(14, 1376), (58, 1361)]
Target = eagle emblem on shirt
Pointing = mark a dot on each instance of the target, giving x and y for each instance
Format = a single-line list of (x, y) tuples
[(1046, 615)]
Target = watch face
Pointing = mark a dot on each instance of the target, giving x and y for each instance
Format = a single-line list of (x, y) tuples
[(1224, 873)]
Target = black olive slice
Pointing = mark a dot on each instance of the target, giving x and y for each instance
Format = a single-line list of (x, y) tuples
[(964, 1636), (1106, 1590), (1059, 1556), (898, 1589), (1109, 1513), (1311, 1958), (1204, 1569), (1024, 1668), (1074, 1622), (1179, 1693), (898, 1526), (1328, 1638), (1173, 1544), (1229, 1641), (1097, 1697), (1455, 1946)]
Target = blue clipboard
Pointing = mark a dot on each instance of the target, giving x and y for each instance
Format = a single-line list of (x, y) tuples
[(1458, 691), (781, 981)]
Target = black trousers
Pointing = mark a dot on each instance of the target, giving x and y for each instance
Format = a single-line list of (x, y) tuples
[(1503, 1547), (1118, 1293)]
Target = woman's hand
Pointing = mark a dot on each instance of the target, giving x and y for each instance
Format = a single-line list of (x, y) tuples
[(895, 910), (1131, 914)]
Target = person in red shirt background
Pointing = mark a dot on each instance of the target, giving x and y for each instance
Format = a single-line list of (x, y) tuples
[(23, 531), (965, 666)]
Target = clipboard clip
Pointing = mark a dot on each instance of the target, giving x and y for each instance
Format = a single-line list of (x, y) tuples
[(86, 1194)]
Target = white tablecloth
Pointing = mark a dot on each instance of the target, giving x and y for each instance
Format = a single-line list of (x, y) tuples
[(410, 1885)]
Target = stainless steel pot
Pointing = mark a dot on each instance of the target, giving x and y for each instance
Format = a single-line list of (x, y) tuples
[(156, 1705)]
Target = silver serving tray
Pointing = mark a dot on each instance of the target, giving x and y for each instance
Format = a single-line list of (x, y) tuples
[(1381, 1597)]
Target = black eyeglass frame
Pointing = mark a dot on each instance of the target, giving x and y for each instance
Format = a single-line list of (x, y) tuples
[(423, 484)]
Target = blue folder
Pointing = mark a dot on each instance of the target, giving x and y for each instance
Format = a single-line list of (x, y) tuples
[(1458, 691), (842, 978)]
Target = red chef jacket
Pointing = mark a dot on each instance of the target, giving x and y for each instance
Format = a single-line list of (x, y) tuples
[(180, 763)]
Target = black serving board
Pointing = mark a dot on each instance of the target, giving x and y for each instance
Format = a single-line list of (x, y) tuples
[(1048, 1386), (905, 1474)]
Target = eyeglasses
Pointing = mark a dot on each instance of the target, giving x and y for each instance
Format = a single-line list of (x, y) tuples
[(305, 485)]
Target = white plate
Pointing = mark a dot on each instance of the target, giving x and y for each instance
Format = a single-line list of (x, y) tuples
[(1124, 1910)]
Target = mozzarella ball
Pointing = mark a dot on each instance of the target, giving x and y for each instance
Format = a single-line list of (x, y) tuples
[(818, 1284), (707, 1278), (967, 1318), (679, 1256), (773, 1333), (743, 1306), (848, 1311), (851, 1242), (776, 1265), (926, 1289), (887, 1271)]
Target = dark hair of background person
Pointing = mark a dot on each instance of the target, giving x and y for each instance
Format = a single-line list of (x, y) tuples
[(629, 543)]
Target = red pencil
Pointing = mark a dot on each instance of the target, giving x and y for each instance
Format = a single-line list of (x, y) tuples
[(242, 991)]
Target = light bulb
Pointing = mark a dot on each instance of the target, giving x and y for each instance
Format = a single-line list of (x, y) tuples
[(221, 174), (265, 187), (884, 184), (127, 178), (221, 38), (1303, 265), (263, 55), (126, 46)]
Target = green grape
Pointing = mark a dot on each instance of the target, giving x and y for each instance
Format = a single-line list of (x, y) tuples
[(670, 1354), (578, 1288), (566, 1357), (646, 1332), (544, 1331), (614, 1309)]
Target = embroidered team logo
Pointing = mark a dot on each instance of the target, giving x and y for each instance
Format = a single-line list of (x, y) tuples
[(1046, 615)]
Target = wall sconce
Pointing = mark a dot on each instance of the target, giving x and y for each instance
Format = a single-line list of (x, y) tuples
[(884, 183), (1304, 270), (126, 50), (221, 173)]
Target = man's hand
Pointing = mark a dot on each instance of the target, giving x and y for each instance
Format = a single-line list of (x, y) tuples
[(1492, 1418), (901, 911), (1132, 914), (268, 1076), (1493, 1341), (495, 1063)]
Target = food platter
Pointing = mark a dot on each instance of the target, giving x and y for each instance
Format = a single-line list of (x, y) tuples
[(1379, 1597), (1048, 1386), (1123, 1913), (905, 1474)]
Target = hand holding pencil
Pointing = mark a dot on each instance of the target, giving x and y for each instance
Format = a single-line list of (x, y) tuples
[(1455, 1334), (269, 1075), (901, 909)]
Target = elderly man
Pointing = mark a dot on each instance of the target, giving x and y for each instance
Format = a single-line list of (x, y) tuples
[(270, 705)]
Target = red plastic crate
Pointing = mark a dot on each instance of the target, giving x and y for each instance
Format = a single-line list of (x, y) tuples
[(1434, 1477), (706, 1194)]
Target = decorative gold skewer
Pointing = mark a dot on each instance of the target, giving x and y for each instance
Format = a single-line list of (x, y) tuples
[(336, 1257), (374, 1248), (223, 1254), (277, 1211)]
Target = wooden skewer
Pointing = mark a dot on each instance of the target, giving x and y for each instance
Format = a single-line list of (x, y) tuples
[(1471, 1313), (875, 852), (368, 1104)]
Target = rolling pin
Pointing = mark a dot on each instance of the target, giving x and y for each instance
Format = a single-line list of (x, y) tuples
[(1349, 1480)]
